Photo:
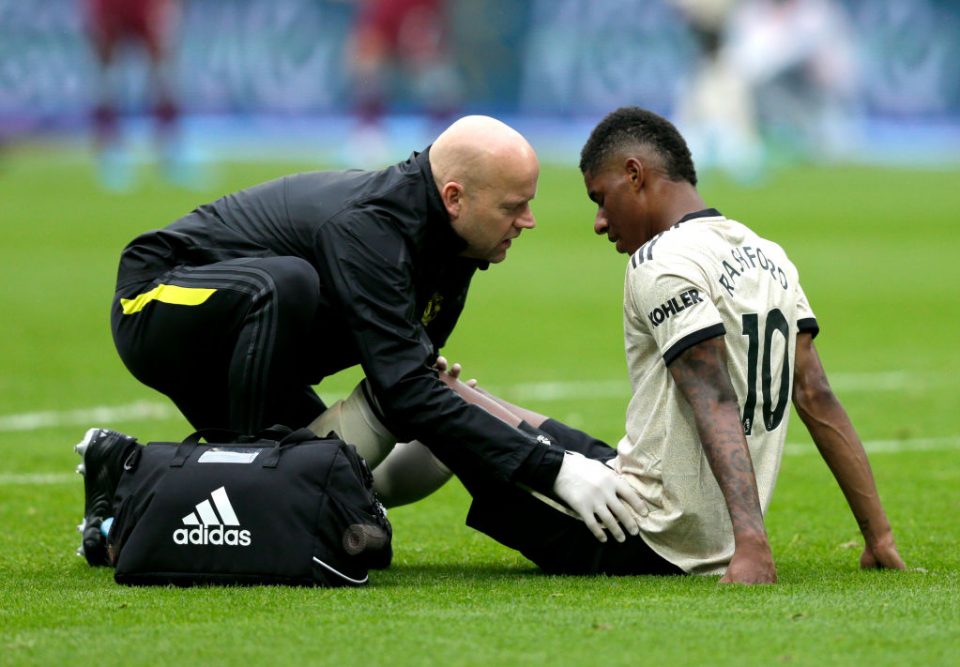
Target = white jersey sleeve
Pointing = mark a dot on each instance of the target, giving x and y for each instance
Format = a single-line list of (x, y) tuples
[(806, 321), (671, 298)]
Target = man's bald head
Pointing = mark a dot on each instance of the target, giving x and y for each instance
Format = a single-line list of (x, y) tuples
[(486, 174), (474, 148)]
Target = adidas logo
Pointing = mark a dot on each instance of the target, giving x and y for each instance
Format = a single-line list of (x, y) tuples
[(209, 525)]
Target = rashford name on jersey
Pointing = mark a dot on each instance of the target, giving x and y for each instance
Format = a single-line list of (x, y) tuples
[(749, 258)]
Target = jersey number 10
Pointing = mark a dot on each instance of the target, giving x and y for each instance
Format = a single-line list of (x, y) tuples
[(772, 415)]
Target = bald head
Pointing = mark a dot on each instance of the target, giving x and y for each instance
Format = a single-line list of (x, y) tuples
[(486, 174), (474, 148)]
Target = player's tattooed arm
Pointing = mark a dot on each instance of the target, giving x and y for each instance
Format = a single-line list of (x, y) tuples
[(702, 377), (838, 443)]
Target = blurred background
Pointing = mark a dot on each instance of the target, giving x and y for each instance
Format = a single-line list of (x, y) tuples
[(186, 84), (832, 127)]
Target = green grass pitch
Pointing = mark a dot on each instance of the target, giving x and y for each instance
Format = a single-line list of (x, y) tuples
[(879, 257)]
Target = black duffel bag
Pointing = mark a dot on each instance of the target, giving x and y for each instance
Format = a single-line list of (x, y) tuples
[(286, 508)]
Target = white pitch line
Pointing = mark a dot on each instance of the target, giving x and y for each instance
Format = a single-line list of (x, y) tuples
[(39, 478), (32, 421), (841, 382), (563, 390), (526, 391), (888, 381), (885, 446)]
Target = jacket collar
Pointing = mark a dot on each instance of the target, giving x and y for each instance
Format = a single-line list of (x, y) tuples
[(439, 230)]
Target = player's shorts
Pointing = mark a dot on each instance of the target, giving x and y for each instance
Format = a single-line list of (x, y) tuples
[(554, 540), (146, 21), (406, 27)]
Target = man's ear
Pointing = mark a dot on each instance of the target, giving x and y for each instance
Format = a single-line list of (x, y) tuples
[(633, 170), (452, 196)]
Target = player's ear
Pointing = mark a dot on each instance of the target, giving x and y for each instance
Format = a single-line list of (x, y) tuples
[(452, 196), (633, 171)]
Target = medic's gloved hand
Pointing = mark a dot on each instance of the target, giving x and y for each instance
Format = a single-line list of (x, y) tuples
[(593, 491)]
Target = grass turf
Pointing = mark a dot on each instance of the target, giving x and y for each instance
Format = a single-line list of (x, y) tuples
[(877, 252)]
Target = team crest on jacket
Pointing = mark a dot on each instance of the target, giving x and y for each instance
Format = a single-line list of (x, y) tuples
[(432, 310)]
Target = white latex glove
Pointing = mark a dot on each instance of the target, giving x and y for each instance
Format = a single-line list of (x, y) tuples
[(593, 491)]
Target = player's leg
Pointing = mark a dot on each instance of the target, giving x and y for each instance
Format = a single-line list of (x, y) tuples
[(354, 421), (269, 381), (528, 420), (549, 534), (106, 30), (552, 537), (402, 472), (104, 34), (223, 341), (409, 473), (574, 440), (539, 527), (156, 25)]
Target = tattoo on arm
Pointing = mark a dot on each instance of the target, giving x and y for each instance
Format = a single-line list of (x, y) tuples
[(701, 374)]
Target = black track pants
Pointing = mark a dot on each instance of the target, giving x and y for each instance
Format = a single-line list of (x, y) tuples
[(226, 342), (555, 541)]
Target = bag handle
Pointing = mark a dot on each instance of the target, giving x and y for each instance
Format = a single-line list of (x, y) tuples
[(277, 432), (272, 457), (212, 435), (282, 435), (185, 449)]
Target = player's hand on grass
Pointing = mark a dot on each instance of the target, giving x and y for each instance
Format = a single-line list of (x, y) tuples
[(881, 553), (595, 491), (752, 563)]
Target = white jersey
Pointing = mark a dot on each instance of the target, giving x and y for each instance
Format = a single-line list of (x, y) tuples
[(704, 277)]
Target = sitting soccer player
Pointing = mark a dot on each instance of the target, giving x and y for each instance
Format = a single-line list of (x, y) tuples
[(712, 312)]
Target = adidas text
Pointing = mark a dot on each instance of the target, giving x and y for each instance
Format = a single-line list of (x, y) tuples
[(216, 535)]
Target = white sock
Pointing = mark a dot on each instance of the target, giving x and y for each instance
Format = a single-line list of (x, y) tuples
[(410, 472), (355, 423)]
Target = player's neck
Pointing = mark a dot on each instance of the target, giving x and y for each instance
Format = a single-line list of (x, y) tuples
[(682, 200)]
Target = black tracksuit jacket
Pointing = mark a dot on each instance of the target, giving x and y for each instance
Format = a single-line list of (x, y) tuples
[(392, 283)]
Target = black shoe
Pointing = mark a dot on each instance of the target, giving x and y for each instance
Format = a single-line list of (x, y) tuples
[(103, 452)]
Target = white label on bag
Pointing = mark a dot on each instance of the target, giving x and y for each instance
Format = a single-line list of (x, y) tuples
[(229, 455)]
